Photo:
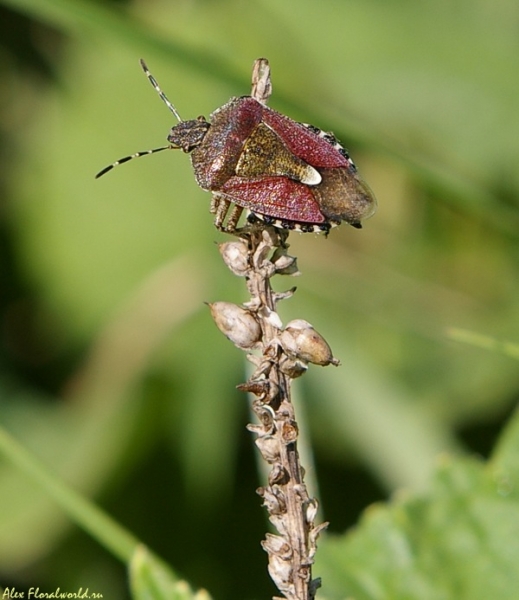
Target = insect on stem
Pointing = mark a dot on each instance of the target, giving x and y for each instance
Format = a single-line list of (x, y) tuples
[(291, 175)]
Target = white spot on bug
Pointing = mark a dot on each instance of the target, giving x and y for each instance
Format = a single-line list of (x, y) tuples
[(311, 176)]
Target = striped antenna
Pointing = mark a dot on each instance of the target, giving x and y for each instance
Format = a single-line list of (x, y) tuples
[(162, 95), (164, 98), (132, 156)]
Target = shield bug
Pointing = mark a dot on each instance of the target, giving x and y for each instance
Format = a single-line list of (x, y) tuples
[(288, 174)]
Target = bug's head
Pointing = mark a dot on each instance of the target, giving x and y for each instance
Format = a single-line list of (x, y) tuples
[(187, 135)]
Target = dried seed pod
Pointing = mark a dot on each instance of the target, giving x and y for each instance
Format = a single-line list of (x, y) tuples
[(236, 256), (281, 571), (311, 510), (271, 316), (260, 257), (272, 237), (285, 264), (277, 544), (293, 367), (258, 388), (280, 566), (273, 499), (289, 431), (301, 341), (236, 323), (268, 445), (278, 475), (280, 522)]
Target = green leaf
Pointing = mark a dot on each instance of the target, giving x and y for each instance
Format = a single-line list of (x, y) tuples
[(458, 541), (98, 524), (151, 579)]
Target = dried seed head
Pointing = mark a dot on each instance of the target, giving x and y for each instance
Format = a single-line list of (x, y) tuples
[(300, 340), (311, 510), (259, 388), (293, 367), (236, 323), (273, 499), (280, 567), (236, 256), (272, 237), (276, 544), (271, 316), (285, 264), (268, 445), (278, 475), (289, 431)]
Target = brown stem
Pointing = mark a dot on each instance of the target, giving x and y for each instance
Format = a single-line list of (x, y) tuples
[(258, 254), (291, 510)]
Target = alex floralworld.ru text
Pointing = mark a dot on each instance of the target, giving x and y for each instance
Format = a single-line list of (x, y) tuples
[(36, 594)]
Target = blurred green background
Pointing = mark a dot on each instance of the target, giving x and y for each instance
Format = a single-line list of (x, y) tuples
[(111, 369)]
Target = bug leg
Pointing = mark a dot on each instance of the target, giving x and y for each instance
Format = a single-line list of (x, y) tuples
[(219, 208), (233, 219)]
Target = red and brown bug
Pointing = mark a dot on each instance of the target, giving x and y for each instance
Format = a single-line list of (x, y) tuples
[(288, 174)]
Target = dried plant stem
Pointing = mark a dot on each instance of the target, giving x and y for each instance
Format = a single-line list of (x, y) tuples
[(291, 510), (282, 354)]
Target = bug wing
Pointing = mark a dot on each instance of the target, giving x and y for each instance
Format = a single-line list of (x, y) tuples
[(302, 142), (214, 161), (276, 197), (343, 196)]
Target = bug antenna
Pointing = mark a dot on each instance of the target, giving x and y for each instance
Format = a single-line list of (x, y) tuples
[(162, 95), (131, 157)]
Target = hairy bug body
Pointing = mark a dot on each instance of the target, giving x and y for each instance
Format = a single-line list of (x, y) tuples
[(288, 174)]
